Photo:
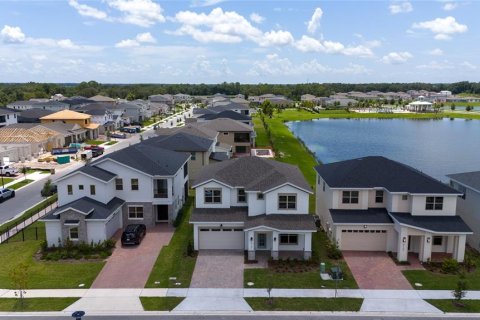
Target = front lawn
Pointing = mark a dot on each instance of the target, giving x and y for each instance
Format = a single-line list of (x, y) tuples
[(265, 278), (111, 142), (35, 304), (305, 304), (160, 303), (173, 260), (94, 142), (43, 274), (5, 180), (470, 306), (20, 184)]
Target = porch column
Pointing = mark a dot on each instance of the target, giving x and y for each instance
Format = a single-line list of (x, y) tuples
[(460, 248), (450, 244), (402, 246), (275, 242), (251, 245), (195, 237), (426, 252), (307, 249)]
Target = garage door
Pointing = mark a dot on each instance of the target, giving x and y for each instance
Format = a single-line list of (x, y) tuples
[(221, 238), (364, 240)]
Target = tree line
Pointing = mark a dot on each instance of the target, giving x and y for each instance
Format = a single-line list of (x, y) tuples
[(10, 92)]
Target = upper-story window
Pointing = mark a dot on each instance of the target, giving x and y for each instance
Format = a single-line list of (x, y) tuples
[(134, 184), (350, 197), (287, 201), (193, 155), (160, 189), (213, 195), (379, 196), (80, 187), (92, 189), (241, 196), (404, 196), (119, 184), (260, 196), (434, 203), (241, 137), (69, 189)]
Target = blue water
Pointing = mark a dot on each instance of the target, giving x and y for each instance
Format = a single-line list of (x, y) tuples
[(436, 147)]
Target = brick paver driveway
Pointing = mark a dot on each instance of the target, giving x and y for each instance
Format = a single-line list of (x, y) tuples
[(218, 269), (375, 270), (130, 266)]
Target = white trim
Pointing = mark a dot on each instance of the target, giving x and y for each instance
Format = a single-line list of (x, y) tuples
[(430, 231), (73, 209), (465, 185), (210, 180), (81, 172), (338, 224), (289, 184), (279, 230)]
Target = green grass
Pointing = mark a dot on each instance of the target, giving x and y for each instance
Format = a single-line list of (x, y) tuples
[(261, 140), (42, 274), (109, 143), (6, 180), (305, 304), (35, 304), (160, 303), (94, 142), (172, 260), (264, 278), (20, 184), (470, 306)]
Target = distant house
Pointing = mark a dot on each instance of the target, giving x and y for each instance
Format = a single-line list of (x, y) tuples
[(45, 105), (420, 106), (233, 133), (100, 98), (232, 106), (162, 98), (341, 102), (32, 115), (72, 117), (182, 98), (8, 117), (228, 114), (132, 111), (468, 205)]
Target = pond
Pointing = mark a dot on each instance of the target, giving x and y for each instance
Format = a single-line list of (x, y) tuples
[(436, 147)]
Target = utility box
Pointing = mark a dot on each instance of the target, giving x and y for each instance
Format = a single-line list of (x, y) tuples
[(63, 159), (337, 273), (322, 267)]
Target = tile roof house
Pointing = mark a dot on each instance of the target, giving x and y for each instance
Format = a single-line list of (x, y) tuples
[(253, 204), (138, 184), (377, 204), (468, 205)]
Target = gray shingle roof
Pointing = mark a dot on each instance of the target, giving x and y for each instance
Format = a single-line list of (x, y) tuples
[(253, 173), (282, 222), (470, 179), (203, 111), (190, 128), (370, 216), (33, 115), (149, 159), (7, 111), (226, 114), (97, 172), (376, 171), (227, 125), (85, 205), (432, 223), (232, 214), (229, 106), (181, 141)]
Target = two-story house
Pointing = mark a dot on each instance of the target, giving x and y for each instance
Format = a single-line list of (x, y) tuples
[(377, 204), (468, 206), (239, 135), (253, 204), (139, 184), (72, 117), (8, 117)]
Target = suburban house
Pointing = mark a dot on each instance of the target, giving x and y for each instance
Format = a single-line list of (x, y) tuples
[(104, 99), (468, 206), (132, 111), (182, 98), (377, 204), (44, 105), (32, 115), (8, 117), (228, 114), (232, 106), (162, 98), (72, 117), (138, 184), (253, 204)]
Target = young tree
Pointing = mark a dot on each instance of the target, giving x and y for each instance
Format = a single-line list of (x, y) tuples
[(452, 106), (19, 279), (267, 108), (24, 172), (460, 290)]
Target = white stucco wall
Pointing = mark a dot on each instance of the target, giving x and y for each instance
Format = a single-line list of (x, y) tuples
[(271, 200), (397, 204), (255, 206), (362, 200), (199, 196), (113, 224), (104, 191), (53, 232), (469, 210), (96, 231), (449, 206)]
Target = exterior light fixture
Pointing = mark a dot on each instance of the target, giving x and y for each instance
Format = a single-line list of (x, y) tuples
[(251, 238), (275, 239), (404, 239), (428, 240), (364, 226)]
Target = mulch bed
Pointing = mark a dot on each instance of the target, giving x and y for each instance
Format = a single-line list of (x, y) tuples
[(292, 266)]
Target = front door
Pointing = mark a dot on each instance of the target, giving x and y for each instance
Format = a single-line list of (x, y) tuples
[(261, 241), (162, 213)]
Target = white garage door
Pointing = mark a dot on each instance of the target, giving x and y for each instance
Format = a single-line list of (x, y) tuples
[(364, 240), (220, 238)]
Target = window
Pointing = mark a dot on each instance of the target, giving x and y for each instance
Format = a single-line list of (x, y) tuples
[(259, 196), (289, 239), (73, 233), (135, 212), (160, 189), (434, 203), (286, 201), (241, 196), (185, 170), (69, 189), (405, 197), (437, 240), (92, 189), (86, 121), (118, 184), (323, 188), (80, 187), (193, 155), (241, 137), (225, 133), (379, 196), (134, 184), (213, 195), (350, 197)]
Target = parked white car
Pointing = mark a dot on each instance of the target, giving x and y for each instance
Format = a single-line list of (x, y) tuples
[(8, 171), (6, 194)]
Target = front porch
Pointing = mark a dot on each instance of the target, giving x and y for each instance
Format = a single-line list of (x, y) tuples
[(278, 244)]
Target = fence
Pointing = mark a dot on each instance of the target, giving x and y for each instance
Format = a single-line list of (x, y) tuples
[(19, 230)]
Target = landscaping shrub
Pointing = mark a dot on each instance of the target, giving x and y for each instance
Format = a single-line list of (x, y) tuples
[(469, 262), (333, 252), (71, 250), (190, 252), (450, 266)]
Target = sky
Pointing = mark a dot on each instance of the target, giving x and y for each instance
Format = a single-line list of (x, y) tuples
[(212, 41)]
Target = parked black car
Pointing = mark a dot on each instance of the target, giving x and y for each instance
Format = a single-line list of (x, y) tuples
[(133, 234)]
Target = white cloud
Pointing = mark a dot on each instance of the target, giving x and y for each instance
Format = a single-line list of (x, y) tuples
[(397, 57), (205, 3), (255, 17), (139, 39), (436, 65), (309, 44), (145, 37), (143, 13), (226, 27), (88, 11), (468, 65), (403, 7), (443, 28), (127, 43), (67, 44), (12, 34), (449, 6), (314, 22), (436, 52)]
